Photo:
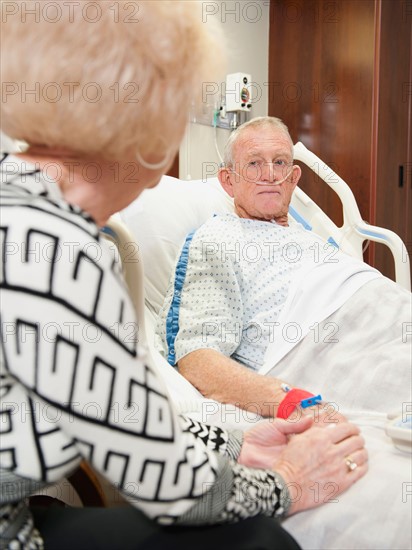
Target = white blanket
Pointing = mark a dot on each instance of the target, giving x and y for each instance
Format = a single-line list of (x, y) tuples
[(367, 373)]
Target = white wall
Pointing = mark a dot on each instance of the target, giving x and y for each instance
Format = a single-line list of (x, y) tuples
[(246, 27)]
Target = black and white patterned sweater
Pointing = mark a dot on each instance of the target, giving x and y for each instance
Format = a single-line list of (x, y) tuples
[(76, 385)]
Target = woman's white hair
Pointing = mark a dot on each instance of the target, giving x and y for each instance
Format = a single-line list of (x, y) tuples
[(254, 123), (106, 80)]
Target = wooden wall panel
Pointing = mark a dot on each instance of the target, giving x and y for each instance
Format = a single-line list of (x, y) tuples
[(325, 51), (340, 77), (408, 239), (393, 150)]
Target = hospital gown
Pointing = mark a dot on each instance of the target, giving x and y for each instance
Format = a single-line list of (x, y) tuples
[(242, 284)]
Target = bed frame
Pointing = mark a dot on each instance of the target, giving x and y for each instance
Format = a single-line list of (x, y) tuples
[(350, 237)]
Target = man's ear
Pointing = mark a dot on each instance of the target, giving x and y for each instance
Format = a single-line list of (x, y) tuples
[(225, 180), (297, 172)]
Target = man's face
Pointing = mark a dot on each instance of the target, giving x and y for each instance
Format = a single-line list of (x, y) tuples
[(262, 157)]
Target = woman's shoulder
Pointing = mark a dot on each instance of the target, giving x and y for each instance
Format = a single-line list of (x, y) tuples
[(28, 196)]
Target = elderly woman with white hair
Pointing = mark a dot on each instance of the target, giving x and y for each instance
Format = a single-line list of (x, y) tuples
[(100, 93)]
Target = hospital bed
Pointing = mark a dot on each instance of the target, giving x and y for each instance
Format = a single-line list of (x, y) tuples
[(375, 514)]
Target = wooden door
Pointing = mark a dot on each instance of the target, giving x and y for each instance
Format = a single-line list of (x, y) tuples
[(340, 78), (392, 161)]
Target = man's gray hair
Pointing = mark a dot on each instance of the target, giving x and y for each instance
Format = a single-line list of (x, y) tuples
[(257, 122)]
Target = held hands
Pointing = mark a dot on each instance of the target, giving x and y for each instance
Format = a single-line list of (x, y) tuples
[(263, 443), (317, 464)]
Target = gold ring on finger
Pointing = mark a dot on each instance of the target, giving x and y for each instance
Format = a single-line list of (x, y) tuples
[(350, 464)]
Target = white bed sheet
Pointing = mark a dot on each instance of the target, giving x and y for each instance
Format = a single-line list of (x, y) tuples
[(375, 513), (367, 373), (372, 515)]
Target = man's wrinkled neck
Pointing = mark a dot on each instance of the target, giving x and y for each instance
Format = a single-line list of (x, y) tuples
[(280, 220)]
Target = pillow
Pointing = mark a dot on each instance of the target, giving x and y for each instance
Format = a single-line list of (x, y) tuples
[(160, 218)]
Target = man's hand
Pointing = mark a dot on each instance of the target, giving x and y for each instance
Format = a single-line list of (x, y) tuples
[(263, 444), (323, 415)]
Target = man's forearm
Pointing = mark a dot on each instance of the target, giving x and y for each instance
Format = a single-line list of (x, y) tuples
[(223, 379)]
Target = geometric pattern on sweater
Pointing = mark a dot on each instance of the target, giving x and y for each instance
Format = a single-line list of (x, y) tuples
[(74, 381)]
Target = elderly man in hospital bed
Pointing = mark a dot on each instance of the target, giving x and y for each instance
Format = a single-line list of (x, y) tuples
[(254, 288)]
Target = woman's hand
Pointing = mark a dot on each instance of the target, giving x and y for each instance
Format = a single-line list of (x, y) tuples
[(319, 464)]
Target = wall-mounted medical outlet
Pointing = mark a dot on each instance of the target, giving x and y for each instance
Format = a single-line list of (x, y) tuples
[(230, 120), (226, 105), (238, 92)]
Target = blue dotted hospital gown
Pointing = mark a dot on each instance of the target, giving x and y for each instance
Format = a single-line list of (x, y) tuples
[(238, 276)]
